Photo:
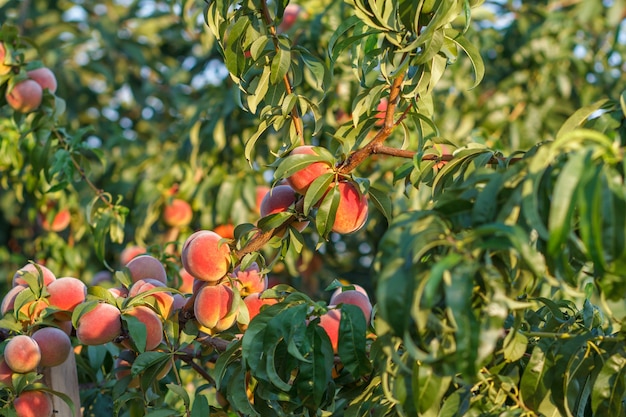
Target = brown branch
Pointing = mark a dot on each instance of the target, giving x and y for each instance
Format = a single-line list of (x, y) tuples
[(215, 342), (199, 369)]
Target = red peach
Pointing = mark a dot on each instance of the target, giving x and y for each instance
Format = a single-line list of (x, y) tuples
[(48, 276), (8, 302), (33, 404), (302, 179), (44, 77), (279, 199), (444, 151), (65, 294), (153, 323), (205, 257), (55, 345), (131, 252), (290, 17), (381, 111), (250, 280), (261, 190), (330, 323), (100, 325), (213, 305), (25, 96), (22, 354), (164, 299), (356, 298), (254, 302), (60, 221), (177, 213), (147, 266), (352, 209), (186, 281), (225, 230), (6, 373)]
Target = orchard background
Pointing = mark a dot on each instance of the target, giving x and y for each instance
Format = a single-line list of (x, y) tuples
[(487, 136)]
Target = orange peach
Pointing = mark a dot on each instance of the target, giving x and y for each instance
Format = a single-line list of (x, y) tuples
[(100, 325), (279, 199), (44, 77), (205, 257), (213, 305), (4, 69), (131, 252), (48, 276), (25, 96), (254, 302), (33, 404), (153, 323), (163, 299), (31, 311), (302, 179), (147, 266), (330, 323), (22, 354), (356, 298), (65, 294), (60, 221), (118, 292), (225, 230), (55, 345), (352, 209), (249, 280), (177, 213), (186, 281)]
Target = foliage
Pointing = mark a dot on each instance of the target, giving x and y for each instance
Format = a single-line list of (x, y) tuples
[(488, 137)]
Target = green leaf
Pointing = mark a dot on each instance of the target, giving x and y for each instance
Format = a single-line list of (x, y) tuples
[(382, 201), (580, 116), (515, 345), (281, 61), (609, 388), (317, 189), (351, 345)]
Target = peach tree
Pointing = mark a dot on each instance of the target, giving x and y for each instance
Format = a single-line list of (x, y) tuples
[(393, 207)]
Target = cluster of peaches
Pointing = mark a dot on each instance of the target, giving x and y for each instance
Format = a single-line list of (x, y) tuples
[(26, 94)]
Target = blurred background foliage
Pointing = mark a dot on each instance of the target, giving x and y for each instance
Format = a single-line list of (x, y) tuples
[(149, 106)]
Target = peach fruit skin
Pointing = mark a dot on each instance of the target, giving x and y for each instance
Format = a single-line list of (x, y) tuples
[(205, 257), (352, 210), (55, 345), (249, 280), (45, 78), (177, 213), (48, 275), (66, 293), (146, 266), (254, 302), (301, 180), (212, 307), (154, 326), (59, 223), (100, 325), (330, 323), (278, 200), (26, 96), (356, 298), (22, 354), (33, 404)]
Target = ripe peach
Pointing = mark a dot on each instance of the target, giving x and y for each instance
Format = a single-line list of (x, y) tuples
[(153, 323), (356, 298), (8, 302), (25, 96), (254, 302), (55, 345), (44, 77), (205, 257), (186, 281), (249, 280), (22, 354), (177, 213), (100, 325), (163, 299), (130, 252), (330, 323), (4, 69), (147, 266), (261, 190), (381, 111), (179, 301), (444, 151), (60, 221), (290, 17), (6, 373), (31, 311), (48, 276), (225, 230), (66, 293), (278, 200), (118, 292), (302, 179), (33, 404), (123, 364), (352, 209), (213, 305)]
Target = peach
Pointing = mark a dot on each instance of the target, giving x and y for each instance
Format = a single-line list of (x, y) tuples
[(153, 323), (48, 276), (33, 404), (444, 151), (22, 354), (60, 221), (65, 294), (213, 307), (101, 277), (261, 190), (179, 301), (25, 96), (330, 323), (8, 302), (279, 199), (4, 69), (131, 252), (147, 266), (186, 281), (381, 111), (290, 17), (164, 299), (100, 325), (205, 257), (65, 326), (356, 298), (225, 230), (254, 302), (345, 288), (31, 311), (302, 179), (177, 213), (6, 373), (44, 77), (118, 292), (249, 280), (352, 209), (55, 345)]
